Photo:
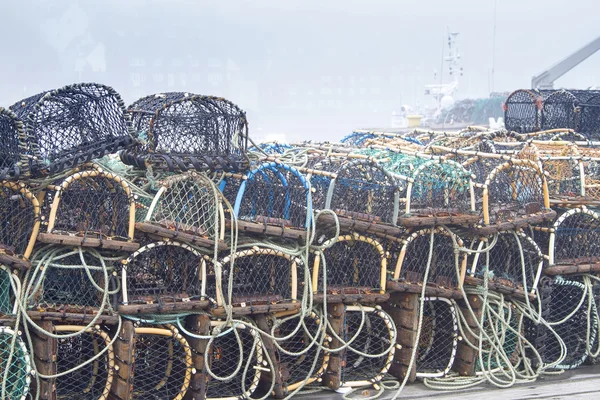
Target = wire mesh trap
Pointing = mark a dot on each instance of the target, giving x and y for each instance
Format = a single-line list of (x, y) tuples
[(73, 125), (274, 199), (560, 109), (183, 131), (93, 209), (261, 277), (232, 347), (19, 224), (572, 331), (15, 365), (440, 264), (166, 273), (589, 116), (522, 111), (188, 208), (14, 160), (353, 264), (514, 263), (75, 280)]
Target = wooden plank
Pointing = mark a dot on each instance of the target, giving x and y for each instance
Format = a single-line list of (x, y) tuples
[(515, 224), (122, 387), (351, 225), (269, 347), (68, 240), (423, 221), (162, 232), (261, 309), (80, 318), (404, 310), (198, 324), (44, 355), (516, 292), (333, 376), (363, 298), (173, 307), (430, 291), (466, 356), (14, 261), (572, 269), (269, 230)]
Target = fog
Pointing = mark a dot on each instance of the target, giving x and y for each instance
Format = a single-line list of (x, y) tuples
[(301, 69)]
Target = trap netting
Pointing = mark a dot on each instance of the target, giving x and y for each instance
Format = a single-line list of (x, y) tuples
[(413, 261), (259, 276), (93, 380), (70, 279), (368, 357), (166, 272), (575, 238), (273, 194), (438, 342), (573, 326), (20, 223), (187, 207), (364, 190), (15, 365), (564, 176), (320, 175), (514, 261), (92, 208), (162, 363), (14, 160), (352, 264), (522, 111), (559, 110), (233, 360), (73, 125), (589, 117), (183, 131)]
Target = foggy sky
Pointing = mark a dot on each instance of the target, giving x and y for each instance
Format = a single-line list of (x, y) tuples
[(301, 69)]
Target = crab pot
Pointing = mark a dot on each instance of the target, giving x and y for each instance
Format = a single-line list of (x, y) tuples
[(569, 321), (291, 370), (369, 356), (559, 110), (166, 276), (274, 200), (14, 163), (153, 362), (73, 280), (574, 243), (355, 268), (589, 116), (514, 195), (17, 380), (515, 260), (263, 280), (440, 192), (73, 125), (522, 111), (409, 267), (20, 216), (320, 174), (92, 209), (184, 131), (565, 178), (188, 208)]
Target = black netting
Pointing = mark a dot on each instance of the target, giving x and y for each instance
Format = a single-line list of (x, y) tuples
[(74, 124), (374, 339), (18, 216), (320, 183), (439, 337), (589, 119), (14, 162), (262, 276), (274, 194), (481, 167), (223, 357), (563, 178), (91, 381), (559, 110), (522, 111), (577, 238), (354, 263)]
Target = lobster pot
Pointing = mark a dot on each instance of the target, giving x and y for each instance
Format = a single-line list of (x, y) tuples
[(412, 263), (73, 125), (261, 276), (522, 111), (14, 163), (223, 356), (20, 223), (184, 132), (92, 381), (479, 166), (438, 341), (574, 242), (169, 275), (93, 209), (10, 284), (515, 262), (187, 208), (590, 116), (559, 110), (564, 177), (274, 199), (364, 190), (76, 280), (320, 175), (352, 264), (15, 364), (515, 194), (441, 193), (568, 320)]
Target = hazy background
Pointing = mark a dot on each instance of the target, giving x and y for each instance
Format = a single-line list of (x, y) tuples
[(301, 69)]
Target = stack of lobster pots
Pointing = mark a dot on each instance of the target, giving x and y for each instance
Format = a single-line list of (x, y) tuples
[(149, 251)]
